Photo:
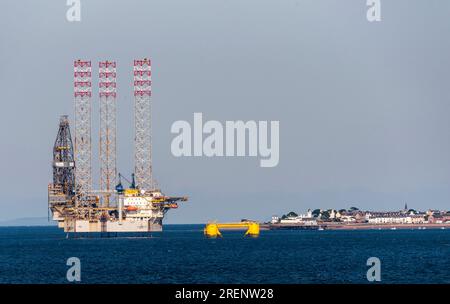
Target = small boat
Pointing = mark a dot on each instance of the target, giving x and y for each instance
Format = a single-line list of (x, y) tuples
[(320, 228), (394, 228)]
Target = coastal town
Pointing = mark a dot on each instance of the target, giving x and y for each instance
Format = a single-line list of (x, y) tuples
[(354, 218)]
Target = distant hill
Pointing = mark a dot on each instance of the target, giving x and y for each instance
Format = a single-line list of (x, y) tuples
[(28, 221)]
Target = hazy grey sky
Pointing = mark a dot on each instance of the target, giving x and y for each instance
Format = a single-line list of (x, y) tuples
[(363, 107)]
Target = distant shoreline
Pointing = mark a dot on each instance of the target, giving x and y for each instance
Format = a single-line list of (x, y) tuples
[(388, 226), (358, 226)]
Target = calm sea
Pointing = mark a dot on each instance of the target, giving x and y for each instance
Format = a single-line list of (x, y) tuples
[(181, 254)]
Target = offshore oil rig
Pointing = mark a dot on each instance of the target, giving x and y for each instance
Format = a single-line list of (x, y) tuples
[(73, 203)]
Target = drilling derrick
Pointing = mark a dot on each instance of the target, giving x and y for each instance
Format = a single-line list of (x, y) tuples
[(142, 124), (83, 92), (61, 191), (107, 94), (63, 161)]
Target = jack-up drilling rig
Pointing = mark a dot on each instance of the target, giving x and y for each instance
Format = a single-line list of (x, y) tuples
[(74, 205)]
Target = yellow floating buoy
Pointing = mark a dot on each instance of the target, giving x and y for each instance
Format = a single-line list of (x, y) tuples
[(253, 230), (212, 230)]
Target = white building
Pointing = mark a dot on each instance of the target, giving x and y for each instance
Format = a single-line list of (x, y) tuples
[(395, 218), (301, 219), (348, 218)]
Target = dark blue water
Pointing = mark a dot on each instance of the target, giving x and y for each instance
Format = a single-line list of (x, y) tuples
[(181, 254)]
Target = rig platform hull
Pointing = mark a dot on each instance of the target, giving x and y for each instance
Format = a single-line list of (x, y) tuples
[(73, 225)]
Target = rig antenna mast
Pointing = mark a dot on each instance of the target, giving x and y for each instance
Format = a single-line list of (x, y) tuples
[(142, 124), (83, 152), (108, 123)]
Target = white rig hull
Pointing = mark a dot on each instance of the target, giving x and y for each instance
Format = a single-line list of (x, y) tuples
[(70, 225)]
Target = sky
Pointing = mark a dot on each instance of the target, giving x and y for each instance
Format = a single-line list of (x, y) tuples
[(363, 106)]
